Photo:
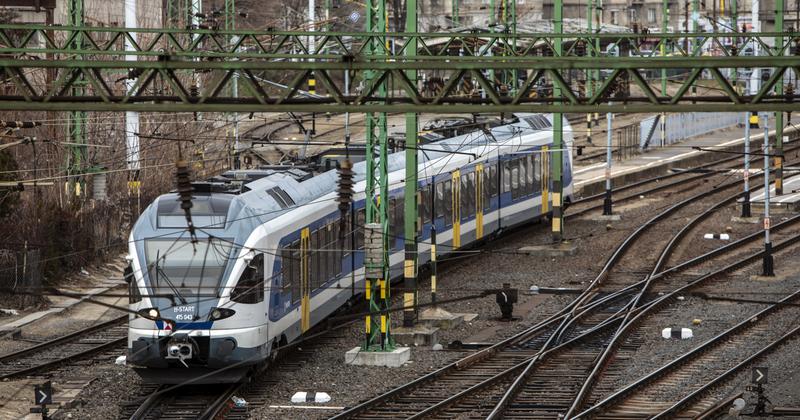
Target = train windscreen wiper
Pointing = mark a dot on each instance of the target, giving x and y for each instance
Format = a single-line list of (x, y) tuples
[(160, 273)]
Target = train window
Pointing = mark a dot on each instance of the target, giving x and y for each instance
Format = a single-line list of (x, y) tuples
[(392, 215), (486, 189), (250, 287), (335, 258), (523, 177), (296, 268), (323, 256), (316, 266), (506, 177), (347, 242), (448, 203), (471, 194), (134, 295), (464, 196), (286, 270), (361, 220), (495, 187), (399, 219), (439, 202), (514, 181), (537, 171), (529, 174), (330, 252), (424, 204)]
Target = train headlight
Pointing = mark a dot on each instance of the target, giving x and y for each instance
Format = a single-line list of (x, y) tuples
[(150, 313), (220, 313)]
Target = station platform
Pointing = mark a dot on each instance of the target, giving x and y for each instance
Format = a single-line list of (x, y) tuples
[(788, 202), (590, 179)]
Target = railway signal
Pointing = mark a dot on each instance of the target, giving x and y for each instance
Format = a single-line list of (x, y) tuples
[(43, 395), (760, 375)]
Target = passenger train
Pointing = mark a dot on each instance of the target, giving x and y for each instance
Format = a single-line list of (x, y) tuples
[(268, 263)]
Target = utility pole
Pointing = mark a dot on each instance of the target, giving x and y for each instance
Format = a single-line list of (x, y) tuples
[(589, 81), (607, 201), (695, 30), (76, 158), (410, 204), (378, 336), (312, 48), (131, 117), (768, 263), (779, 6), (558, 132), (664, 23), (230, 25), (195, 7)]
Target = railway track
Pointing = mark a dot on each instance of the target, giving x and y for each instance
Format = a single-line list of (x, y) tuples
[(106, 336), (463, 386), (702, 369), (208, 402), (633, 191)]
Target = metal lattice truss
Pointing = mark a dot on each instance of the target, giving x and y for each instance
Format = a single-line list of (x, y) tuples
[(457, 71)]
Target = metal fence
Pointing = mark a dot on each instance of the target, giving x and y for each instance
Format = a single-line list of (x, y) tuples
[(628, 141), (20, 271), (681, 126)]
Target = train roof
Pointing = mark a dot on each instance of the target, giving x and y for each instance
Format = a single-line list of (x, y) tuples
[(253, 197)]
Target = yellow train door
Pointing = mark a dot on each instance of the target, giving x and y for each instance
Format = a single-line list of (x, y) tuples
[(456, 209), (479, 201), (305, 281)]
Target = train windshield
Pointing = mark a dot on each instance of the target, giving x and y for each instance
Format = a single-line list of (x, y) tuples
[(178, 268)]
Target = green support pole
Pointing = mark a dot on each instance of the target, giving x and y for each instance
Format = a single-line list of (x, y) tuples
[(589, 81), (598, 24), (173, 14), (328, 9), (695, 29), (734, 8), (779, 6), (378, 336), (492, 14), (664, 22), (454, 12), (558, 133), (410, 201), (230, 25), (76, 158), (514, 73)]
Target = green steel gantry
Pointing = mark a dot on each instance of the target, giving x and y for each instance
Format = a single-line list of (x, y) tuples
[(76, 158), (411, 202), (779, 10), (558, 133), (171, 51), (378, 337)]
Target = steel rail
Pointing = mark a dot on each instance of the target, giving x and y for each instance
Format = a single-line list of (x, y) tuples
[(612, 321), (562, 316), (515, 387), (721, 378), (215, 409), (621, 334), (63, 339), (601, 327), (676, 174), (674, 364), (151, 401)]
